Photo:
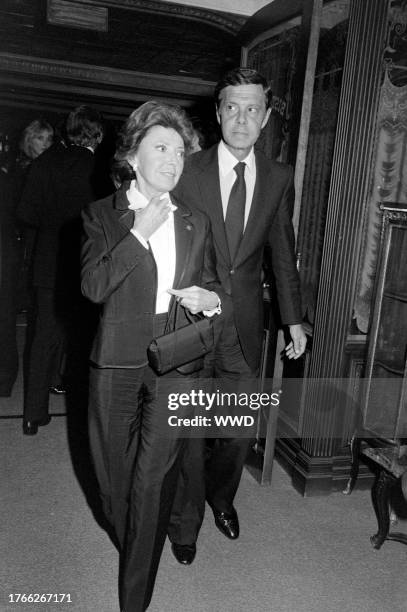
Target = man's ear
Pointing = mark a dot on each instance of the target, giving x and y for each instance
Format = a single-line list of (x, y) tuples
[(266, 118), (217, 113)]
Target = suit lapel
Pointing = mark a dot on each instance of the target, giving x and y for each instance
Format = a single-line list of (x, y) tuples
[(126, 219), (184, 232), (121, 205), (209, 185), (255, 222)]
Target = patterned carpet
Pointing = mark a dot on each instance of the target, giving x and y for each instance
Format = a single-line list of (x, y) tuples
[(294, 555)]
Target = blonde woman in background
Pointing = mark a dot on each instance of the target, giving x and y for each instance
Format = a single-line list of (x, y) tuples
[(16, 246)]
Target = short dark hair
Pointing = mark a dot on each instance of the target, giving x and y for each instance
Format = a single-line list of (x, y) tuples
[(84, 127), (141, 120), (242, 76)]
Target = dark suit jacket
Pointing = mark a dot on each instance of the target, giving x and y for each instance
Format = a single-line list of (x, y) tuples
[(269, 221), (59, 184), (118, 272)]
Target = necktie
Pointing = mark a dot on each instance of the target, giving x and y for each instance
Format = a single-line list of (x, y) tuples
[(234, 221)]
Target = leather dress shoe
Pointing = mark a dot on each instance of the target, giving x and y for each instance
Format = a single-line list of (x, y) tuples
[(30, 428), (227, 523), (184, 553)]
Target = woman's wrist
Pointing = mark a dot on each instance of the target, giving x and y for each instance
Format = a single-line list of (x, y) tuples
[(217, 307)]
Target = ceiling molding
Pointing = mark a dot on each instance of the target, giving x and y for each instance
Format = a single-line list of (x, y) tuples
[(280, 13), (224, 21), (118, 84), (245, 8)]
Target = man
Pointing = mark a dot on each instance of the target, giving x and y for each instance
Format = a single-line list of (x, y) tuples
[(59, 184), (249, 200)]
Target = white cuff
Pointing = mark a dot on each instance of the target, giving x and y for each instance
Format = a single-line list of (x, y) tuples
[(217, 310)]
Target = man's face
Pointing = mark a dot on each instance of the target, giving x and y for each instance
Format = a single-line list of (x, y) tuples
[(242, 114)]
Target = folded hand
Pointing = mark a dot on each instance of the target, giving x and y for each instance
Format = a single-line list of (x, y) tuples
[(196, 299), (147, 220)]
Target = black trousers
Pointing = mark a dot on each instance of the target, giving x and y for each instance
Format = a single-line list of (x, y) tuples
[(9, 269), (137, 458), (44, 358), (211, 469)]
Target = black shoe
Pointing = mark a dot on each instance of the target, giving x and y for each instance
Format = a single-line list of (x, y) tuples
[(30, 428), (184, 553), (227, 523), (57, 390)]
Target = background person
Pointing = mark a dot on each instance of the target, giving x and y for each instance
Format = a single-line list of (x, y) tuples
[(9, 265), (15, 291), (140, 244), (59, 184), (36, 138)]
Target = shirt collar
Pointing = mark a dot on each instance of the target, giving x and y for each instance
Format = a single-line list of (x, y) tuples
[(138, 200), (227, 161), (91, 149)]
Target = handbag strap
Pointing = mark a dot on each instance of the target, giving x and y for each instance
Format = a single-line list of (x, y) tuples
[(173, 313), (194, 321), (190, 317)]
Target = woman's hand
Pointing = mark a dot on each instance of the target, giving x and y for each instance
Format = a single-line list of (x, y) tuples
[(147, 220), (196, 299)]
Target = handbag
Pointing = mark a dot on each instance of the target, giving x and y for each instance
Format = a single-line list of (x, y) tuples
[(181, 348)]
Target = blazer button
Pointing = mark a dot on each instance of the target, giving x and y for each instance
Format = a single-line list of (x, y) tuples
[(231, 271)]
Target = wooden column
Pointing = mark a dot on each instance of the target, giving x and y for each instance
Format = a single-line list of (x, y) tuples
[(350, 183), (314, 459)]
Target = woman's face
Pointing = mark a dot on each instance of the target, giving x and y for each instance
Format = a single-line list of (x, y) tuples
[(159, 161), (41, 142)]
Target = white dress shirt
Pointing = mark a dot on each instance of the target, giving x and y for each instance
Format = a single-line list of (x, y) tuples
[(162, 244), (227, 176)]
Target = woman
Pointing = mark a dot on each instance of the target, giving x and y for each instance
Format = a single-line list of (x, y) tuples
[(16, 243), (36, 138), (9, 268), (60, 183), (141, 246)]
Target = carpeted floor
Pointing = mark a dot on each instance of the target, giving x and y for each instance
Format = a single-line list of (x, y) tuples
[(294, 555)]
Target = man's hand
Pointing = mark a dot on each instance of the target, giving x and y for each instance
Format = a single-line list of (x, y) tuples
[(196, 299), (147, 220), (299, 341)]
